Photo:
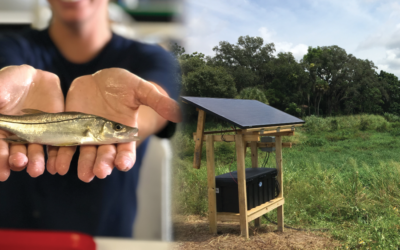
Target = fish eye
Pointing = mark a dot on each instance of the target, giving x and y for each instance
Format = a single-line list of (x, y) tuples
[(118, 127)]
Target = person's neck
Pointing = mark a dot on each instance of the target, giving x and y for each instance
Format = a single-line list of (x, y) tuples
[(80, 43)]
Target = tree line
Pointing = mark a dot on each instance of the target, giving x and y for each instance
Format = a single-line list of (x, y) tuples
[(326, 81)]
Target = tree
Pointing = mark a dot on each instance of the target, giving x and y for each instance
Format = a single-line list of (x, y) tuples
[(391, 102), (209, 81), (191, 63), (289, 81), (246, 61), (177, 50), (321, 87), (368, 93), (252, 93), (332, 65)]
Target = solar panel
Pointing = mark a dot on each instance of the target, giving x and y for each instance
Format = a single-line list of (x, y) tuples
[(243, 113)]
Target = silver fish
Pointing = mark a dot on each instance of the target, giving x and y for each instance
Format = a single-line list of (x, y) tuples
[(65, 129)]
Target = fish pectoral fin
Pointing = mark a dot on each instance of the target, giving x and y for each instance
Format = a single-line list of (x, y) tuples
[(32, 111), (15, 140), (87, 133)]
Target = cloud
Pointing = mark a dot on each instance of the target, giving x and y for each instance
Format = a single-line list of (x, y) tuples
[(368, 29), (298, 50), (265, 34), (392, 59)]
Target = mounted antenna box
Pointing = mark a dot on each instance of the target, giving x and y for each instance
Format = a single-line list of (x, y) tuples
[(267, 139), (260, 188)]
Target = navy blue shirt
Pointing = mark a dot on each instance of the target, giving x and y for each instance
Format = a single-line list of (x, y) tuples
[(104, 207)]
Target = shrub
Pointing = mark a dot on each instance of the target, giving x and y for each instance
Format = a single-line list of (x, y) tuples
[(384, 127), (293, 109), (391, 117), (364, 124), (395, 132), (334, 125), (314, 123), (315, 142)]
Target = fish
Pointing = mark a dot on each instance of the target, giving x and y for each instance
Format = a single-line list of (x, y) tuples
[(64, 129)]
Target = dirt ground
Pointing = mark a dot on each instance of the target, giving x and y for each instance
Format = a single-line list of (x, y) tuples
[(192, 232)]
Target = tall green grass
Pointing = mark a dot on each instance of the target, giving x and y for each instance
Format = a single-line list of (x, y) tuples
[(343, 174)]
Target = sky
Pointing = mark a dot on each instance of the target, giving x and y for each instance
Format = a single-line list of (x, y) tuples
[(368, 29)]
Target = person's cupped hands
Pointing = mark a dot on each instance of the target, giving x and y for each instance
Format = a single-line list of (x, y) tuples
[(24, 87), (120, 96), (115, 94)]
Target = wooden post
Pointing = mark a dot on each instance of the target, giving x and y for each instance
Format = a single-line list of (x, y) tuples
[(278, 152), (254, 154), (212, 199), (241, 173), (199, 139), (254, 164)]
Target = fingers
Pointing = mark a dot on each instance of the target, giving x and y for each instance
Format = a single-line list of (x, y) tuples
[(51, 161), (86, 162), (126, 156), (104, 163), (148, 94), (100, 161), (64, 157), (36, 160), (4, 166), (18, 159)]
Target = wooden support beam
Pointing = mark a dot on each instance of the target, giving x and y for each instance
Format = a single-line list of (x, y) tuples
[(212, 199), (254, 154), (281, 216), (199, 139), (259, 211), (241, 172), (231, 138), (254, 164), (220, 131), (253, 213), (273, 128), (283, 132), (278, 153), (226, 217)]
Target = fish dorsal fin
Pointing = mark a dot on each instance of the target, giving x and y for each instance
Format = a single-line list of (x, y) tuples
[(32, 111)]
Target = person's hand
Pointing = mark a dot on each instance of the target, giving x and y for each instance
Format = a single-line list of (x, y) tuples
[(25, 87), (116, 94)]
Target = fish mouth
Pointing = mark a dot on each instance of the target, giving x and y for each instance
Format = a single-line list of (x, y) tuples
[(132, 136)]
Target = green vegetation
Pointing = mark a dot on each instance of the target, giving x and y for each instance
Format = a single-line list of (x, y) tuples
[(326, 81), (343, 174)]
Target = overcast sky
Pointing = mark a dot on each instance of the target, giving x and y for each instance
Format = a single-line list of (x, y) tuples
[(368, 29)]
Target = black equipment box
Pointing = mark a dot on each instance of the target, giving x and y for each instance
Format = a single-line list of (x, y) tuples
[(260, 188)]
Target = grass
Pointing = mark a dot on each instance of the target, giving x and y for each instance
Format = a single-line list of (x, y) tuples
[(343, 173)]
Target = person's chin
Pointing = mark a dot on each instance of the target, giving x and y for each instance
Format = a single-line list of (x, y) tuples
[(74, 18)]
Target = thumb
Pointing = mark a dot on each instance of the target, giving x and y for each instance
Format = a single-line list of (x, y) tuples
[(149, 94)]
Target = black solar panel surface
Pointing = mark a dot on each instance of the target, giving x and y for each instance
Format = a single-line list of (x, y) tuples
[(243, 113)]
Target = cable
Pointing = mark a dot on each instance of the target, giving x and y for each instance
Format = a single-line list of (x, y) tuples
[(277, 188), (222, 135), (264, 164)]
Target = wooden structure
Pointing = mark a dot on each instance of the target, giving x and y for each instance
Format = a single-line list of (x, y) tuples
[(243, 138)]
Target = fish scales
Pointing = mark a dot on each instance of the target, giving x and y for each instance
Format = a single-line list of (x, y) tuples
[(66, 129), (45, 117)]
